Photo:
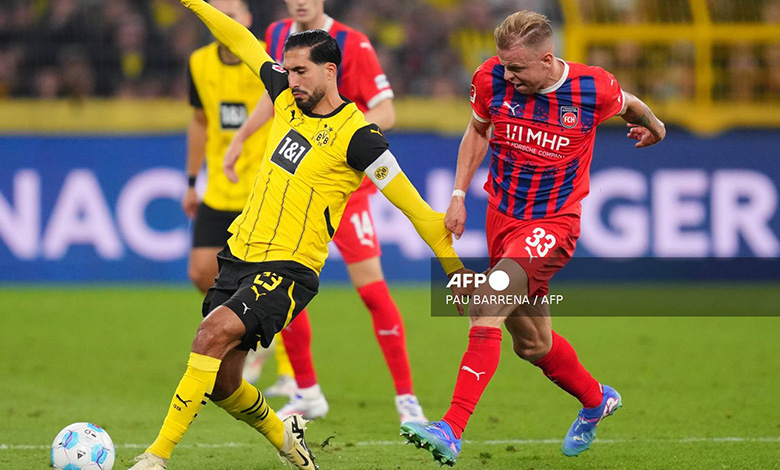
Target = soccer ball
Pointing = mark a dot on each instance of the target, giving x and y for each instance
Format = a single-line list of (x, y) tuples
[(82, 446)]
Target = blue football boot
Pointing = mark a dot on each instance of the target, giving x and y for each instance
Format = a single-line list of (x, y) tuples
[(583, 431), (436, 437)]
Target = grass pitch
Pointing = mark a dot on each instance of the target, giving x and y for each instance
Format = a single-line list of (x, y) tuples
[(699, 392)]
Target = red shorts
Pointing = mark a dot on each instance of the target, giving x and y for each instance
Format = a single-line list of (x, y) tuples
[(356, 238), (540, 246)]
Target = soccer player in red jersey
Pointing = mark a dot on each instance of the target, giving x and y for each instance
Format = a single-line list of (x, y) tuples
[(360, 79), (544, 112)]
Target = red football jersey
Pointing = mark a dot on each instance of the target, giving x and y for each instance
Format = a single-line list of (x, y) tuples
[(542, 144), (360, 77)]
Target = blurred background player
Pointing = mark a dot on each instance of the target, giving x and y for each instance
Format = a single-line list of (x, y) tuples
[(222, 93), (544, 112), (362, 80)]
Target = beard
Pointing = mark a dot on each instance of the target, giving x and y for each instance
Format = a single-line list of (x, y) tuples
[(313, 99)]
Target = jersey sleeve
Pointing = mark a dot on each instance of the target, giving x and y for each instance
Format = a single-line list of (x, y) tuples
[(232, 34), (610, 97), (195, 100), (480, 95), (274, 78), (366, 146), (371, 82)]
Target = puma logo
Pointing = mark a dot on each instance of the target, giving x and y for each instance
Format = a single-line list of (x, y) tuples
[(374, 131), (183, 401), (257, 294), (391, 332), (292, 118), (512, 108), (469, 369)]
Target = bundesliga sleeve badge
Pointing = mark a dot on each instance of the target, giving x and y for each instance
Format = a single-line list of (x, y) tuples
[(570, 116)]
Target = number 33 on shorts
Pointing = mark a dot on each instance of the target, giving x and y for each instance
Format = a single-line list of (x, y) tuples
[(539, 242)]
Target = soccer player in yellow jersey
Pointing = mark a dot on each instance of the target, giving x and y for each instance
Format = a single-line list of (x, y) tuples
[(319, 149), (222, 92)]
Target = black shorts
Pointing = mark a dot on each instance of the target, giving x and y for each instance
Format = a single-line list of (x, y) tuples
[(211, 227), (266, 296)]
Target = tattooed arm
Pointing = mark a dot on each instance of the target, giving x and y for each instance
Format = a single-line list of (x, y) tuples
[(643, 125)]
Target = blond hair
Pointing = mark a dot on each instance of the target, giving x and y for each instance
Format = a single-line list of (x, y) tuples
[(525, 28)]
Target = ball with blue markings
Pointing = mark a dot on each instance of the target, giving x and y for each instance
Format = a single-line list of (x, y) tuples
[(82, 446)]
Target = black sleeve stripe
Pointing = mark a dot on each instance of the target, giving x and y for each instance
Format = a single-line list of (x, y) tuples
[(275, 79), (194, 95), (366, 146)]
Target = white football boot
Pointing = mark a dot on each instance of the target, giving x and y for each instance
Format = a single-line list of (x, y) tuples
[(284, 386), (409, 409), (149, 461), (309, 402), (294, 449)]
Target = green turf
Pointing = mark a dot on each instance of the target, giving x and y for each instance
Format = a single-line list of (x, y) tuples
[(114, 355)]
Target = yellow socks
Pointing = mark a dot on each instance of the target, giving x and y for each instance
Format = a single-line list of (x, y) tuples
[(283, 366), (191, 394), (247, 404)]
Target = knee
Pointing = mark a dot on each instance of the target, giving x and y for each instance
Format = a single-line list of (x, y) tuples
[(200, 278), (531, 349), (213, 339)]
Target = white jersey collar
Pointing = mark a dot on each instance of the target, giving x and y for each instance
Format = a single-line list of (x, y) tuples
[(326, 27), (560, 81)]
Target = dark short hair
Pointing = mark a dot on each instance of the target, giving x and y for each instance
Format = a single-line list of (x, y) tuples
[(324, 48)]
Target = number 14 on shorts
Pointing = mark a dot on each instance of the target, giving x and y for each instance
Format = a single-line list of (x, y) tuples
[(540, 242)]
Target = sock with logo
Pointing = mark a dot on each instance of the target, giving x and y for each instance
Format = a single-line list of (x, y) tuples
[(389, 331), (248, 404), (477, 367), (190, 396), (297, 342), (283, 366), (562, 366)]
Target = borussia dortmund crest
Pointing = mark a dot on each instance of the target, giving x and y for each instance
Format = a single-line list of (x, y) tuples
[(323, 136)]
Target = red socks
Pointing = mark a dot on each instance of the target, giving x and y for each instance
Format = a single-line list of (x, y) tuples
[(297, 342), (388, 327), (562, 366), (389, 331), (477, 367)]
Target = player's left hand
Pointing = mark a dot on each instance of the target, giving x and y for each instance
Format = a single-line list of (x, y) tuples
[(644, 136), (461, 291)]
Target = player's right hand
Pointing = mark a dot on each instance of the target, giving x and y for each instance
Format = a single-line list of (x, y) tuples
[(190, 203), (455, 218), (231, 157)]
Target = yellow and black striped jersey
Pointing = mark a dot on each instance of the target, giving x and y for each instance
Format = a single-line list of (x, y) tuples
[(313, 165), (227, 94)]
